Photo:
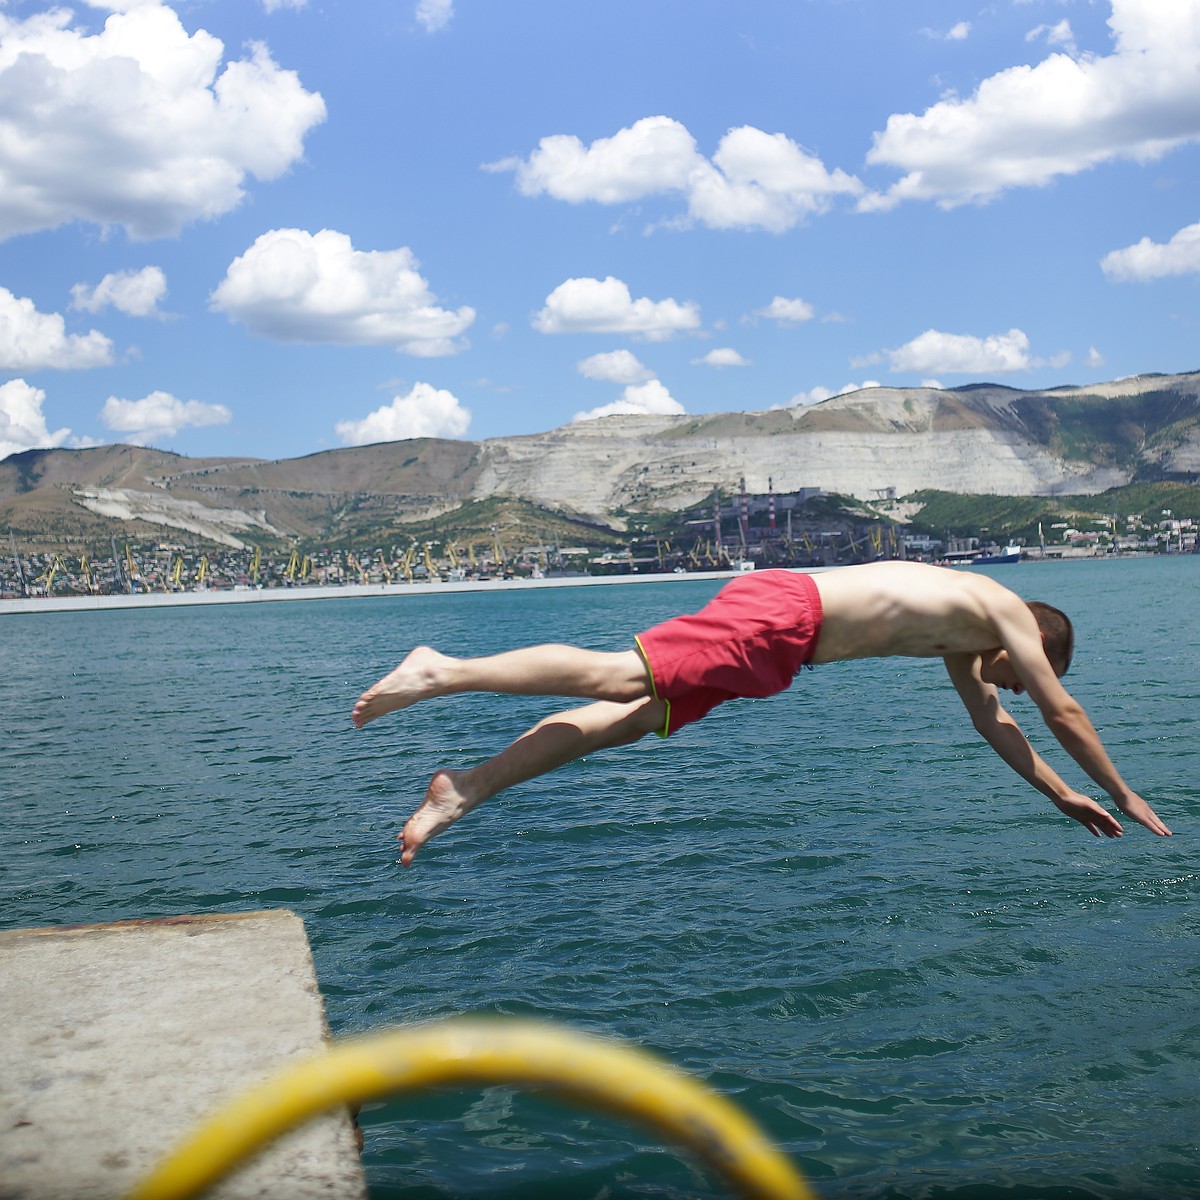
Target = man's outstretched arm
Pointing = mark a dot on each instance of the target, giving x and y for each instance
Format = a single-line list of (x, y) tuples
[(1002, 733)]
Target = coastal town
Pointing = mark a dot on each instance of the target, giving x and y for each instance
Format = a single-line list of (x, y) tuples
[(748, 533)]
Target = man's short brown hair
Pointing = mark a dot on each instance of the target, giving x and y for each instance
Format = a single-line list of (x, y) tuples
[(1058, 634)]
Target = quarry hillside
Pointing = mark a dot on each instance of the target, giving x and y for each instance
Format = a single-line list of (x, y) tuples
[(981, 439)]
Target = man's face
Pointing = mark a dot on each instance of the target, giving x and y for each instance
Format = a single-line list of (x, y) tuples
[(997, 670)]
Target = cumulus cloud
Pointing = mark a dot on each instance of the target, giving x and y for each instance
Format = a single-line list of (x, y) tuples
[(962, 354), (606, 306), (32, 340), (425, 411), (295, 286), (434, 15), (1027, 125), (1059, 34), (136, 293), (155, 131), (159, 416), (818, 394), (725, 356), (1155, 260), (22, 423), (641, 399), (787, 312), (616, 366), (958, 32), (754, 180)]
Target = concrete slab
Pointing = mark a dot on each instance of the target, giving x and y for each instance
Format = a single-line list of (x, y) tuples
[(116, 1040)]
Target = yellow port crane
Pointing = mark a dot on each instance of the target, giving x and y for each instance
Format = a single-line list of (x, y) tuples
[(293, 565), (131, 567), (177, 573), (202, 571), (46, 579), (85, 569), (433, 571), (354, 565), (254, 565)]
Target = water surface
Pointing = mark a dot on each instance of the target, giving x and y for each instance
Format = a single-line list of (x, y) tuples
[(836, 906)]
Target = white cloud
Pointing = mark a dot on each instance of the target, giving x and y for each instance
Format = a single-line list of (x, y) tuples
[(1027, 125), (138, 125), (755, 180), (1155, 260), (276, 5), (617, 366), (641, 399), (1094, 358), (425, 412), (295, 286), (959, 32), (654, 155), (134, 292), (764, 181), (606, 306), (1060, 34), (818, 394), (725, 356), (787, 312), (962, 354), (434, 15), (158, 416), (22, 424), (31, 340)]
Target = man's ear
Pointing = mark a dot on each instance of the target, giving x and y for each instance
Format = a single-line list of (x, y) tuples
[(989, 658)]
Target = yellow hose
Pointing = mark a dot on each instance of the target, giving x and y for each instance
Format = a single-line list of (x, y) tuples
[(484, 1053)]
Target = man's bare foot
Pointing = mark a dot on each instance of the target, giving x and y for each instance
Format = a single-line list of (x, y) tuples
[(418, 677), (444, 803)]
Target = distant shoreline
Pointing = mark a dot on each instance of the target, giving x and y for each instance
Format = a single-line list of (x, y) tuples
[(350, 591), (354, 591)]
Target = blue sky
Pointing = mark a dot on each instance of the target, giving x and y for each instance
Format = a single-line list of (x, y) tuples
[(271, 227)]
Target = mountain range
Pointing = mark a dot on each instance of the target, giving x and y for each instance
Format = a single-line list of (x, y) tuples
[(979, 439)]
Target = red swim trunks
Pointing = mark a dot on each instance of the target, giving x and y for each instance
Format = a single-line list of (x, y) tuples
[(749, 640)]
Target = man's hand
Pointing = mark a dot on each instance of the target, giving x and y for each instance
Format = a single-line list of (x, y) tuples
[(1092, 816), (1101, 822), (1138, 810)]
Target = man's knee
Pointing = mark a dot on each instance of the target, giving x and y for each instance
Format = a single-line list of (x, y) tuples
[(629, 677), (648, 717)]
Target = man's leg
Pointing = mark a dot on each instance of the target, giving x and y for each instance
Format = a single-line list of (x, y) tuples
[(537, 670), (549, 744)]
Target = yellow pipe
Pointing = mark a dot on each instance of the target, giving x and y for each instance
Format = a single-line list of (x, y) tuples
[(483, 1053)]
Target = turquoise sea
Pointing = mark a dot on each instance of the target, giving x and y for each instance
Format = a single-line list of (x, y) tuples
[(835, 906)]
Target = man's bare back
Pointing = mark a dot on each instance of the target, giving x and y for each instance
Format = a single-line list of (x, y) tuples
[(886, 609)]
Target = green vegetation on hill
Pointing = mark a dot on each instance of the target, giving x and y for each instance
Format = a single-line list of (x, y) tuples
[(1016, 517), (1112, 430), (514, 523)]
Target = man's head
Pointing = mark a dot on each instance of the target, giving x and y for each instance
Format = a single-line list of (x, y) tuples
[(1058, 635)]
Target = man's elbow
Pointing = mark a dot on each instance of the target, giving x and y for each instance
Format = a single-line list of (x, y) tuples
[(1066, 719)]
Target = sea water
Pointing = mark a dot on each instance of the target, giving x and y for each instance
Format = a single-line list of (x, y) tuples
[(837, 907)]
